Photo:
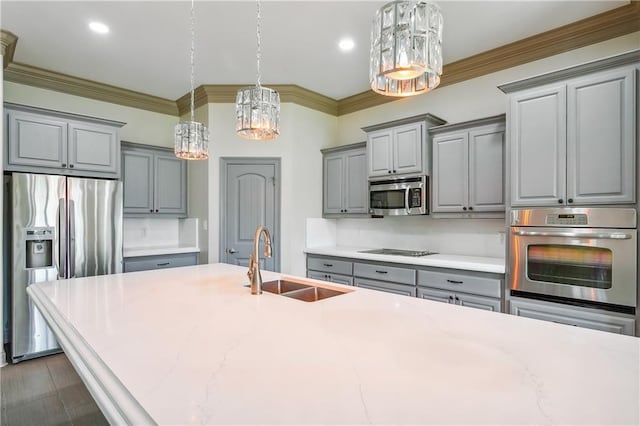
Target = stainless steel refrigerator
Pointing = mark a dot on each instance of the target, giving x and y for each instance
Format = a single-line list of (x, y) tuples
[(61, 227)]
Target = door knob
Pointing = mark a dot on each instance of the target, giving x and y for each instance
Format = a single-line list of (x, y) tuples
[(232, 251)]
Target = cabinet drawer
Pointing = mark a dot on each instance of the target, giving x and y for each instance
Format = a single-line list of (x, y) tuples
[(386, 273), (333, 278), (457, 282), (144, 263), (404, 290), (324, 264)]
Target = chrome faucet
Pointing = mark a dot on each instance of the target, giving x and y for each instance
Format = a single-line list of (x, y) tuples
[(254, 260)]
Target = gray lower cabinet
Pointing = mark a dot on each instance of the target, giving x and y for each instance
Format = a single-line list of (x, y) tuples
[(154, 182), (468, 166), (474, 290), (333, 278), (573, 141), (392, 279), (388, 287), (595, 319), (330, 269), (145, 263), (344, 185), (46, 141)]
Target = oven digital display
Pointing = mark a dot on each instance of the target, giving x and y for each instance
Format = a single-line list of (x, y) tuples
[(567, 219)]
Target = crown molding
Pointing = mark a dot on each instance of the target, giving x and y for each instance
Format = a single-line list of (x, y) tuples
[(226, 93), (8, 42), (614, 23), (45, 79)]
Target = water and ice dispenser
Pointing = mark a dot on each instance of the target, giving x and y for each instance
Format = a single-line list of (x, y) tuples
[(39, 247)]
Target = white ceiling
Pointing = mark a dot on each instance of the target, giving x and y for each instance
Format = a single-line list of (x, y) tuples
[(147, 49)]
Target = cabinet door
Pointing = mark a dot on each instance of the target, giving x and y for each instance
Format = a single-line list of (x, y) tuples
[(36, 141), (394, 288), (355, 185), (450, 168), (436, 295), (380, 152), (537, 135), (93, 148), (478, 302), (137, 180), (333, 185), (169, 190), (601, 138), (407, 148), (486, 169)]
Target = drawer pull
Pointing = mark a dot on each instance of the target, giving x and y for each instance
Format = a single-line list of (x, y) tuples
[(382, 272), (455, 282), (328, 265), (163, 264)]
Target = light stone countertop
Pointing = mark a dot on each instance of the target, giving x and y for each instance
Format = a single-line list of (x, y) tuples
[(155, 251), (193, 346), (495, 265)]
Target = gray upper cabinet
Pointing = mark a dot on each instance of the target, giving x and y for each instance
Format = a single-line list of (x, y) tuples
[(345, 180), (45, 141), (572, 135), (154, 182), (468, 166), (400, 147)]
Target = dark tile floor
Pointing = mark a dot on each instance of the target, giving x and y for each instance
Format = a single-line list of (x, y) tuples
[(46, 391)]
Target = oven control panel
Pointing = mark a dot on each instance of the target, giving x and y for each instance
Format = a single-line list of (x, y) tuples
[(567, 219)]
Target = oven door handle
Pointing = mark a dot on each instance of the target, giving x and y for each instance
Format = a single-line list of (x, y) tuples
[(612, 236)]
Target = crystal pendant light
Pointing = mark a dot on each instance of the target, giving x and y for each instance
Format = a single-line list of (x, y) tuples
[(406, 48), (257, 107), (191, 139)]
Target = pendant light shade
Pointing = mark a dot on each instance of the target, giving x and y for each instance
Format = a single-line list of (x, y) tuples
[(406, 48), (257, 107), (191, 139)]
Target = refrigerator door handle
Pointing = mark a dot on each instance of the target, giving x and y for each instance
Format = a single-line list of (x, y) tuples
[(62, 239), (72, 239)]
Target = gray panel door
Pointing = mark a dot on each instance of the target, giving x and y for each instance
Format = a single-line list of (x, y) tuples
[(486, 169), (95, 227), (356, 187), (538, 146), (170, 180), (478, 302), (380, 152), (93, 147), (37, 141), (407, 148), (250, 202), (333, 185), (601, 138), (436, 295), (450, 168), (137, 177)]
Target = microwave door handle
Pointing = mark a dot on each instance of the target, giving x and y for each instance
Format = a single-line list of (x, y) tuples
[(406, 199), (611, 236)]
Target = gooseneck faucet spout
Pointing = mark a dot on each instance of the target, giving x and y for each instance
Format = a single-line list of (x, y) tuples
[(254, 260)]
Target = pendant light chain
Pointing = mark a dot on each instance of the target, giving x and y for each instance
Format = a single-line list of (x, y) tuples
[(258, 37), (193, 50)]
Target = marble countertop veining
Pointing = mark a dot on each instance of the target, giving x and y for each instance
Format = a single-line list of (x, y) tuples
[(193, 346), (495, 265)]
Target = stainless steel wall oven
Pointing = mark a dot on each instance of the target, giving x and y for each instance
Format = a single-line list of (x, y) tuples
[(580, 254)]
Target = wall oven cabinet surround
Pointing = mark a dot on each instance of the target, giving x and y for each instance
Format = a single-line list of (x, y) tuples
[(401, 197), (52, 142), (572, 135), (580, 254), (155, 182), (468, 166), (344, 183), (400, 147)]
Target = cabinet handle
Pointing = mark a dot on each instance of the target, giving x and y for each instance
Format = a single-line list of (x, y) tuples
[(470, 208), (457, 300), (328, 265), (560, 201), (151, 210), (464, 208), (71, 166), (394, 171), (156, 210), (382, 272), (163, 263), (455, 282), (389, 172), (570, 200), (64, 164), (450, 299)]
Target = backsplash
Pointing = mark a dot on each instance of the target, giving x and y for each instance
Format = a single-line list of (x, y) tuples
[(470, 237), (159, 232)]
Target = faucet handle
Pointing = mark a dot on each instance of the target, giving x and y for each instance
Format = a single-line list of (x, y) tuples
[(250, 272)]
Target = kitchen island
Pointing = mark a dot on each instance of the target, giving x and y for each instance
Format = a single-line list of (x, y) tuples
[(193, 346)]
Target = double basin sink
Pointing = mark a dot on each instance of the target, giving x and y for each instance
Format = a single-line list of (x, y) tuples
[(300, 291)]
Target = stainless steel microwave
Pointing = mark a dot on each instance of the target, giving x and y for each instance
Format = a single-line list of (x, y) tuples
[(400, 197)]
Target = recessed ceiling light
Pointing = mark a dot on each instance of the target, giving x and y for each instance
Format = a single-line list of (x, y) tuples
[(98, 27), (346, 44)]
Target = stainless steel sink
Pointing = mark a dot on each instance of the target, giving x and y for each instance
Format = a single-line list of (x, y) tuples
[(300, 291)]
